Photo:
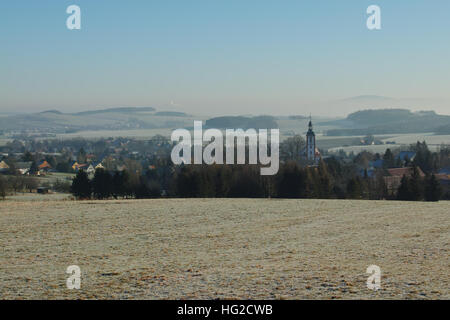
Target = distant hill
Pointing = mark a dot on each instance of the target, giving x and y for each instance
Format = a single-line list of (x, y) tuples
[(342, 107), (54, 121), (376, 117), (239, 122), (118, 110), (298, 117), (52, 111), (388, 121), (171, 114)]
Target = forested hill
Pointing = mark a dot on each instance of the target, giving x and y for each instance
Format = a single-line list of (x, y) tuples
[(260, 122), (125, 118), (388, 121), (118, 110)]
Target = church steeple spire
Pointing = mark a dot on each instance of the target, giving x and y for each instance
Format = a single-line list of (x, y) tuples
[(310, 126), (310, 142)]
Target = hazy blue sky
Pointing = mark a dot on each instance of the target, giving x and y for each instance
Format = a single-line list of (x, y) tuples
[(221, 56)]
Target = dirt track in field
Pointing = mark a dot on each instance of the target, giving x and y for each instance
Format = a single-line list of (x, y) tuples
[(224, 248)]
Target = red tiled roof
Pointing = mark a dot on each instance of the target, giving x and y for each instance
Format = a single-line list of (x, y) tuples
[(45, 164), (400, 172)]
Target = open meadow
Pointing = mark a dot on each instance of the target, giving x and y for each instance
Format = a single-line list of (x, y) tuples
[(223, 248)]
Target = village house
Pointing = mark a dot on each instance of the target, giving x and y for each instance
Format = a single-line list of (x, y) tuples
[(92, 167), (4, 167), (23, 167), (77, 166), (121, 168), (44, 166), (406, 155), (394, 177), (444, 181), (90, 170), (98, 166)]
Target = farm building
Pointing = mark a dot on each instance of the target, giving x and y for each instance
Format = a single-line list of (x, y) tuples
[(395, 175), (42, 190)]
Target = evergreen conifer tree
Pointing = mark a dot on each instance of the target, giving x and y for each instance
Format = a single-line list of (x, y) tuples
[(81, 186), (433, 190)]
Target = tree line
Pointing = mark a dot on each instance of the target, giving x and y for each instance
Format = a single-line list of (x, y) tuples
[(15, 184), (329, 180), (120, 184), (416, 188), (21, 184)]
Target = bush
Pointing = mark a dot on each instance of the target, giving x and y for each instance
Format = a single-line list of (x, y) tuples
[(16, 183), (61, 186), (31, 184)]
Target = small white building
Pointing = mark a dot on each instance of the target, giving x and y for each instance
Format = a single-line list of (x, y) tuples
[(90, 170)]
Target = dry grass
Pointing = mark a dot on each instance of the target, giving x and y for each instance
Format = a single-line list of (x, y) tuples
[(258, 249)]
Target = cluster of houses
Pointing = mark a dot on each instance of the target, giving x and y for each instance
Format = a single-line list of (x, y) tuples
[(89, 168), (393, 176), (24, 168), (42, 168), (116, 151)]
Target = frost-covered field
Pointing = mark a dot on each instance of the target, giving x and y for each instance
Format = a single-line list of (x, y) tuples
[(224, 248)]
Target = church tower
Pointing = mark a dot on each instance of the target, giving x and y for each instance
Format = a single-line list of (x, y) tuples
[(310, 142)]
